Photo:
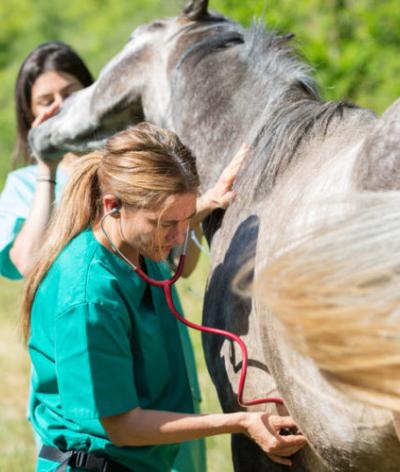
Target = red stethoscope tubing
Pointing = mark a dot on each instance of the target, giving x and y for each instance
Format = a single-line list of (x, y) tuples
[(166, 285)]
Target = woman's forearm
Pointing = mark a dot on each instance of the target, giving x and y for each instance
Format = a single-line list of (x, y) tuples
[(148, 427), (30, 238)]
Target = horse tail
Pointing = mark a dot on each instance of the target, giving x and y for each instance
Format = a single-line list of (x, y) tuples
[(337, 295)]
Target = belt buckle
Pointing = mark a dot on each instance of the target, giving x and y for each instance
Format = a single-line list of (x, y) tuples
[(79, 459), (90, 462)]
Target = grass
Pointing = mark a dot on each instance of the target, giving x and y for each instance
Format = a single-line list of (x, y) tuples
[(17, 449)]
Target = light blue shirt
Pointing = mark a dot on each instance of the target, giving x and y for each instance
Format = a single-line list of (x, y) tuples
[(16, 202)]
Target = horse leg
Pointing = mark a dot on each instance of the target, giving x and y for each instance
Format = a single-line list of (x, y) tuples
[(248, 457)]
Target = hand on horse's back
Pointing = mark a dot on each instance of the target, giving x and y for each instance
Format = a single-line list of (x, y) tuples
[(221, 194), (230, 172)]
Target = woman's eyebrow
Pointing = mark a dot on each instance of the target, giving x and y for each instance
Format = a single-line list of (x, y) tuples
[(44, 95), (70, 85), (177, 221), (64, 89)]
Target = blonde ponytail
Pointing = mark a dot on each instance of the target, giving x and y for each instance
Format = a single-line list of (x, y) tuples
[(79, 208), (142, 166)]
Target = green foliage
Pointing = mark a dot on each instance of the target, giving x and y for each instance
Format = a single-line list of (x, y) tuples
[(352, 45), (17, 445)]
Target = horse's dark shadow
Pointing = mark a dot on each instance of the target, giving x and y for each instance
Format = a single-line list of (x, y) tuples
[(222, 300)]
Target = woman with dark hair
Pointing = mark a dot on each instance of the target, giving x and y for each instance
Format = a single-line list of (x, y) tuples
[(50, 74), (41, 64)]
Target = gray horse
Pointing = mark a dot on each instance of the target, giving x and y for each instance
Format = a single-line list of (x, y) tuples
[(218, 85)]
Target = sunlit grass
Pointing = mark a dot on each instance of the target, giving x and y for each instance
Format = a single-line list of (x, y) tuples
[(17, 449), (191, 292)]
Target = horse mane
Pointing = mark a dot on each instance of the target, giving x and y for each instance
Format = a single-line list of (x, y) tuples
[(271, 57), (295, 112), (292, 110), (278, 141)]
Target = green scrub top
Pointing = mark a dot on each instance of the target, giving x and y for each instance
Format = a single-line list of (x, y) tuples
[(102, 343)]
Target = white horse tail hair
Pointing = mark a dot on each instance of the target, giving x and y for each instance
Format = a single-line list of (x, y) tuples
[(337, 294)]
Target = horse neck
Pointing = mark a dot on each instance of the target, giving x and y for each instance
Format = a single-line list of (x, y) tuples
[(314, 191), (227, 97)]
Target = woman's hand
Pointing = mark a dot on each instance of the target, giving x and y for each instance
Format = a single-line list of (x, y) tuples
[(30, 238), (265, 429), (47, 169), (221, 194), (52, 110)]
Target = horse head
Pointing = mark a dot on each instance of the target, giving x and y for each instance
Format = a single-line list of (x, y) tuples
[(135, 85)]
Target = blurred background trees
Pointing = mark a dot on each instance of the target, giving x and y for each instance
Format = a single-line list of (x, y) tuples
[(353, 45)]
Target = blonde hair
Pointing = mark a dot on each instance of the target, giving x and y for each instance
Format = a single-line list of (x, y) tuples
[(142, 166), (337, 294)]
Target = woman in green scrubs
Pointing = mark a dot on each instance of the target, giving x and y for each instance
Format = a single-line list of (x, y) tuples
[(111, 366)]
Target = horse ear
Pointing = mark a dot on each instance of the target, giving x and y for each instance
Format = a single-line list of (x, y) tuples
[(196, 10), (288, 36)]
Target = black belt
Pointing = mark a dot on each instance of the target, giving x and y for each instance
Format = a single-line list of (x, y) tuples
[(82, 460)]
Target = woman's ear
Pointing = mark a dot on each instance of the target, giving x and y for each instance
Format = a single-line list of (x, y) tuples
[(111, 205)]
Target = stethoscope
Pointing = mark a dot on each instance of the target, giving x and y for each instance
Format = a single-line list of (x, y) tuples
[(166, 285)]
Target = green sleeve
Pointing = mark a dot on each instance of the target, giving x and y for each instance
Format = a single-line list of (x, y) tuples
[(94, 364), (10, 227)]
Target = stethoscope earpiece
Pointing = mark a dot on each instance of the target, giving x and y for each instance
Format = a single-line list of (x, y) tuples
[(115, 212)]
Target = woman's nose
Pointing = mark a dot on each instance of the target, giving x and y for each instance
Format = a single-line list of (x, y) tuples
[(58, 99), (177, 236)]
